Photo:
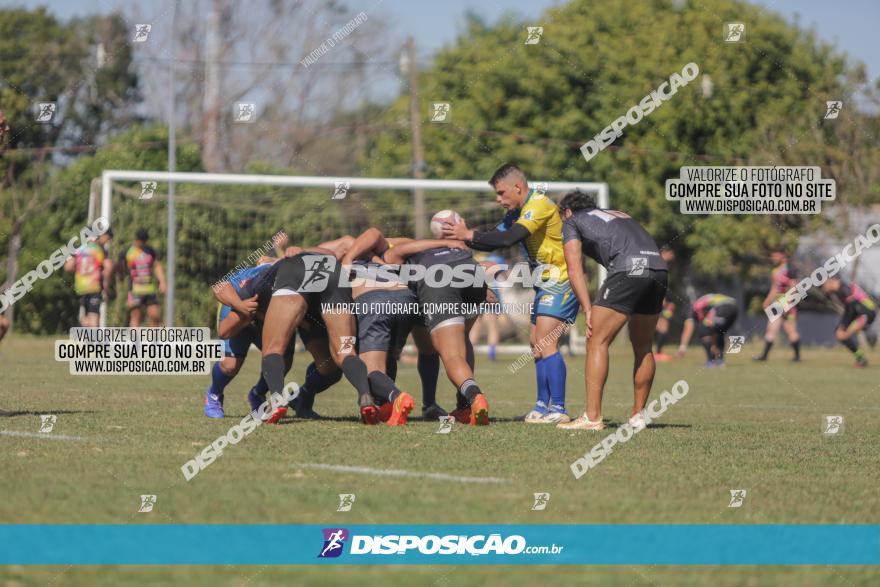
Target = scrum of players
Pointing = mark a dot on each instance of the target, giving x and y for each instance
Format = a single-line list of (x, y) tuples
[(302, 293)]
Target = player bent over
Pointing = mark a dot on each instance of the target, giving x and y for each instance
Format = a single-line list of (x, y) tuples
[(381, 335), (239, 328), (633, 292), (449, 329), (859, 312), (307, 283), (713, 315), (782, 279)]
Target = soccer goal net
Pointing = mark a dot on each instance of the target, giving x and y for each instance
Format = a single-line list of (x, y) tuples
[(224, 221)]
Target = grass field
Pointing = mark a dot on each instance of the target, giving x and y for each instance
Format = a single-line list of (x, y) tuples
[(753, 427)]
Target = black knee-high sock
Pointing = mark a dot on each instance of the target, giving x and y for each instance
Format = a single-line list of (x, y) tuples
[(391, 367), (851, 343), (383, 387), (429, 371), (719, 344), (356, 372), (768, 344), (707, 346), (315, 383), (796, 345), (469, 389), (273, 372)]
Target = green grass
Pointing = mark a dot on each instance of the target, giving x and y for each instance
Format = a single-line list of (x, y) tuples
[(754, 427)]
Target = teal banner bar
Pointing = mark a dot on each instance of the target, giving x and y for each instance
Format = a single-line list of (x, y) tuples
[(485, 544)]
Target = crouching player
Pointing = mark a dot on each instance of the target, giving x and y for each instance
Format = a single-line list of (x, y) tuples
[(450, 328), (309, 283), (633, 293), (239, 326), (382, 335), (712, 316), (859, 312)]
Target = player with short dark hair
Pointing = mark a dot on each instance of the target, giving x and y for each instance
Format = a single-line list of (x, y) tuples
[(712, 315), (633, 292), (143, 265), (859, 312), (449, 325), (92, 269), (782, 279), (533, 221)]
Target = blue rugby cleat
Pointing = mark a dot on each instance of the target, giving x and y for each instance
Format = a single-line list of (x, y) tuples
[(214, 405)]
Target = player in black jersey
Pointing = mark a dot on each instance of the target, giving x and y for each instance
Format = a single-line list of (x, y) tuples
[(295, 289), (633, 292), (446, 318)]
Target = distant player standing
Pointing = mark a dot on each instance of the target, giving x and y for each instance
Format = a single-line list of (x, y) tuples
[(859, 312), (533, 221), (633, 293), (92, 269), (782, 279), (143, 266)]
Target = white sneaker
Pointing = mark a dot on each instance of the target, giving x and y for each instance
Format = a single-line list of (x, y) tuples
[(534, 417), (637, 421), (556, 418), (582, 423)]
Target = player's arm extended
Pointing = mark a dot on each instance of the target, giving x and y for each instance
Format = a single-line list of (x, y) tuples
[(399, 254), (370, 242), (487, 240), (339, 246)]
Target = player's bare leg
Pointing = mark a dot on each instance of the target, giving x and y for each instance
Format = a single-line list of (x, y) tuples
[(342, 333), (770, 335), (154, 315), (450, 340), (283, 315), (134, 317), (641, 333), (606, 324), (90, 320)]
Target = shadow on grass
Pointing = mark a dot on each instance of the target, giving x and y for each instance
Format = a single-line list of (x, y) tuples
[(4, 414)]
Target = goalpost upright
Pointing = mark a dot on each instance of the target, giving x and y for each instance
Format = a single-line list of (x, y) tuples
[(354, 183)]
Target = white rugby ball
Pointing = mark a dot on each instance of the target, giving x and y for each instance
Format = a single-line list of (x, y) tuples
[(443, 217)]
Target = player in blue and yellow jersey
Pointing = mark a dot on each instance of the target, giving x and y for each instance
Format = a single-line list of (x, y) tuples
[(92, 268), (239, 330), (533, 221)]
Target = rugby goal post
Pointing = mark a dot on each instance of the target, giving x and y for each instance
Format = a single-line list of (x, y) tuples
[(103, 206)]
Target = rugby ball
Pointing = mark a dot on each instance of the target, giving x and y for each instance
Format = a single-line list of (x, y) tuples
[(443, 217)]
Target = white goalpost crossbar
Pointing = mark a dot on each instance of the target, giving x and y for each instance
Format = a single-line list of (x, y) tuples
[(354, 183)]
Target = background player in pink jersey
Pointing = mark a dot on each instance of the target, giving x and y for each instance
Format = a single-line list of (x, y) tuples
[(783, 278)]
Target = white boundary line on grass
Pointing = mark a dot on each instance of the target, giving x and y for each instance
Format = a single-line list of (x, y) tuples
[(399, 473), (39, 435)]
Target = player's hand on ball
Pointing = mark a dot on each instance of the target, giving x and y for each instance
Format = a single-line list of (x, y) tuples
[(457, 231)]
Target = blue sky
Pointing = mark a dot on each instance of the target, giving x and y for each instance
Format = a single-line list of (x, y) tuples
[(851, 25)]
